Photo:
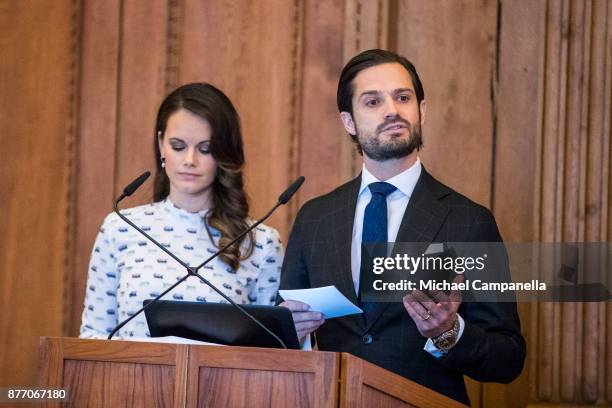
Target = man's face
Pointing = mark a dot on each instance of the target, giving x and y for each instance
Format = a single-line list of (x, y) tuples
[(386, 116)]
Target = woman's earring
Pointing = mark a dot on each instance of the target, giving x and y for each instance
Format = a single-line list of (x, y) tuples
[(163, 162)]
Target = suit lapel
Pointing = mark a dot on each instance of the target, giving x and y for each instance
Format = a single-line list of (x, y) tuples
[(342, 232), (422, 220), (342, 227)]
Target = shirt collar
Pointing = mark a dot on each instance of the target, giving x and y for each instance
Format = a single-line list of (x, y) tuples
[(182, 213), (404, 182)]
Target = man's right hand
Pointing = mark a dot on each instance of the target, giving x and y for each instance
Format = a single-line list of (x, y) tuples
[(305, 321)]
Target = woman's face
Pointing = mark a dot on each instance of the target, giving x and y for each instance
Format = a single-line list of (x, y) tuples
[(189, 163)]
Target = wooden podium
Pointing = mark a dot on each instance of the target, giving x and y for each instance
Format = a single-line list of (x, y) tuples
[(101, 373)]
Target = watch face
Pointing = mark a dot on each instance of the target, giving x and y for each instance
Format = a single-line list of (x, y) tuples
[(447, 342), (447, 339)]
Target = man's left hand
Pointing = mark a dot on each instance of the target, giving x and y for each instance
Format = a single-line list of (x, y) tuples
[(433, 318)]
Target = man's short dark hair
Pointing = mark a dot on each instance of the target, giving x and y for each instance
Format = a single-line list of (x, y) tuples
[(368, 59)]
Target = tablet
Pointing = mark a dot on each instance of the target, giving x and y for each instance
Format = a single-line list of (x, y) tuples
[(221, 323)]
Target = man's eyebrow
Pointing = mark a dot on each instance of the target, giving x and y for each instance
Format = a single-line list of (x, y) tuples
[(369, 93), (402, 90), (395, 91)]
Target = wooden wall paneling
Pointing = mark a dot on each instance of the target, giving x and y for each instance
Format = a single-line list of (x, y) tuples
[(600, 133), (369, 24), (547, 221), (573, 193), (518, 110), (38, 86), (590, 333), (600, 93), (96, 137), (142, 87), (295, 108), (251, 52), (176, 9), (607, 186), (322, 137), (573, 203), (453, 48), (536, 310)]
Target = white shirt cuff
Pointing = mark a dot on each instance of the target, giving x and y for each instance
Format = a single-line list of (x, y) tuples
[(305, 344), (433, 350)]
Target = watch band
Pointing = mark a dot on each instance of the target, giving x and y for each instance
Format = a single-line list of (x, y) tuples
[(445, 341)]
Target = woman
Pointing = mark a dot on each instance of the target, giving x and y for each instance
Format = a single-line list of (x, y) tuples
[(199, 206)]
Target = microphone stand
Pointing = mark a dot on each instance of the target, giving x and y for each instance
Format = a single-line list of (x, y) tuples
[(193, 271)]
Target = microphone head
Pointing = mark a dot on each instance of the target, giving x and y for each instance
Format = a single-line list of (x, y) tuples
[(134, 185), (290, 191)]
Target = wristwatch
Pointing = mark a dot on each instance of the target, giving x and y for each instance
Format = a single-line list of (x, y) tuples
[(445, 341)]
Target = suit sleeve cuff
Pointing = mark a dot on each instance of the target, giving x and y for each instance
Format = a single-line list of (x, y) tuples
[(433, 350)]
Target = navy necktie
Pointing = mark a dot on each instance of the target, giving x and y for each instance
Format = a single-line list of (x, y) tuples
[(374, 231)]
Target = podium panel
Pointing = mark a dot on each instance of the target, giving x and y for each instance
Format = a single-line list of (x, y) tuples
[(366, 385), (100, 373), (261, 377)]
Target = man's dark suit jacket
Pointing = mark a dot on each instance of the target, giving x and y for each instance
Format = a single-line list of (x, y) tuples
[(319, 254)]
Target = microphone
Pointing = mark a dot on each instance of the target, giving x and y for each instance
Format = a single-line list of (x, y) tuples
[(290, 191), (132, 187)]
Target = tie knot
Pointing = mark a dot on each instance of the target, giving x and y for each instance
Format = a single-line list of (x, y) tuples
[(381, 188)]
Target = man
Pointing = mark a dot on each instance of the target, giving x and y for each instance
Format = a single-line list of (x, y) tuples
[(382, 107)]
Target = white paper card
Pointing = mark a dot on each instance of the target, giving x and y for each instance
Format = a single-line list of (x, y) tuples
[(327, 300)]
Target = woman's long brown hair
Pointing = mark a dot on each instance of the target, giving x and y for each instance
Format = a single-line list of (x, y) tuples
[(230, 207)]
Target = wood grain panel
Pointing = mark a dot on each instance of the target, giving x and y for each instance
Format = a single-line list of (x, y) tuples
[(361, 381), (548, 214), (596, 369), (36, 116), (368, 25), (312, 376), (573, 190), (323, 138), (589, 332), (126, 384), (374, 398), (250, 51), (254, 388), (96, 132), (607, 190), (175, 25), (456, 65), (142, 87), (518, 109), (573, 156), (118, 373)]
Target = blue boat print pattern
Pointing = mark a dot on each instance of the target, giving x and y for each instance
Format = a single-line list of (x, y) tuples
[(123, 272)]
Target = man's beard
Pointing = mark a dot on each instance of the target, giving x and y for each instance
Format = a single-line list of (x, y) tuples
[(395, 147)]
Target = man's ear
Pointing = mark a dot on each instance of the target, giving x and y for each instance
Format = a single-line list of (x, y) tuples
[(422, 109), (347, 122)]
